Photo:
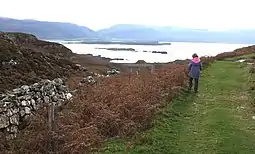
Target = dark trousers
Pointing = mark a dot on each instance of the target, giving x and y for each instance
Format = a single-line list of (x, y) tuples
[(191, 84)]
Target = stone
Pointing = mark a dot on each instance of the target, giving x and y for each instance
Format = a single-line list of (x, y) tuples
[(68, 96), (22, 112), (113, 72), (15, 103), (28, 97), (14, 119), (35, 87), (2, 96), (53, 93), (27, 110), (21, 98), (58, 81), (60, 103), (84, 80), (5, 104), (46, 99), (44, 82), (62, 88), (26, 117), (28, 103), (55, 98), (9, 112), (11, 136), (36, 107), (48, 87), (11, 96), (17, 91), (42, 89), (12, 62), (25, 88), (15, 110), (62, 96), (78, 65), (6, 99), (38, 95), (90, 79), (3, 109), (2, 104), (33, 103), (4, 121), (12, 129), (8, 104), (84, 69), (24, 103), (39, 101)]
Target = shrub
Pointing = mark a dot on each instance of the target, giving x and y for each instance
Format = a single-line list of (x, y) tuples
[(116, 106), (236, 53)]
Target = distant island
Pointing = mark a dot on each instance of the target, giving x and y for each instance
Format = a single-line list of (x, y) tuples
[(119, 42), (119, 49), (162, 52), (131, 49)]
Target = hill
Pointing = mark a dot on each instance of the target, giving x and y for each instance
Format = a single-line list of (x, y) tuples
[(24, 59), (130, 32), (47, 30), (177, 34)]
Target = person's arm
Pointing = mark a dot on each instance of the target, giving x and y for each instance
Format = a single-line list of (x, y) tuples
[(200, 66), (190, 65)]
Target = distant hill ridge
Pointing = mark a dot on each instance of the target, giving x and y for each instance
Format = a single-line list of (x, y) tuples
[(177, 34), (47, 30), (124, 32)]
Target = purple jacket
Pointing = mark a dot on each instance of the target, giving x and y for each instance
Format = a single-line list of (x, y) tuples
[(195, 67)]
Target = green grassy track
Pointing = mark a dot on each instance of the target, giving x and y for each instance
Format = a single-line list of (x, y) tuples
[(216, 120)]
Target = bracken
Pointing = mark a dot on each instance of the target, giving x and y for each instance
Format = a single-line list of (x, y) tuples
[(115, 106)]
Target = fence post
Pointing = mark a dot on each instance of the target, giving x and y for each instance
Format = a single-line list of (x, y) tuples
[(131, 69), (152, 68), (52, 127)]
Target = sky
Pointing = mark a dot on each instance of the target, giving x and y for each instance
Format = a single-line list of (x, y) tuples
[(99, 14)]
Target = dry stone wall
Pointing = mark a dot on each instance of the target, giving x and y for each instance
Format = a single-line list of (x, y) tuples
[(17, 105)]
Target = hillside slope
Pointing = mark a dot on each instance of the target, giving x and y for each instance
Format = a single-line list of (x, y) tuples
[(24, 59), (23, 65)]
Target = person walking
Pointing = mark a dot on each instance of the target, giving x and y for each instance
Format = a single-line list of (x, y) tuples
[(195, 68)]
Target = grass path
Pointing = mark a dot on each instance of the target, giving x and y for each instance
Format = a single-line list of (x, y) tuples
[(216, 120)]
